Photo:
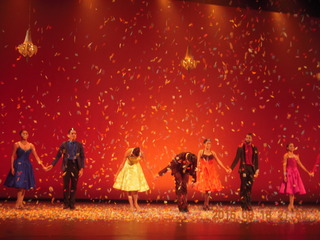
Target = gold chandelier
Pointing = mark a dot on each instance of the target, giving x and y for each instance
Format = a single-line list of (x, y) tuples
[(27, 48), (189, 62)]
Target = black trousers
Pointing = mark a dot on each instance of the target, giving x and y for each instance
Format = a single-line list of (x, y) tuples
[(247, 178), (70, 181), (181, 180)]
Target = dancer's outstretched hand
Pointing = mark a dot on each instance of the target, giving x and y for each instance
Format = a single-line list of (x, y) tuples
[(81, 172), (48, 168)]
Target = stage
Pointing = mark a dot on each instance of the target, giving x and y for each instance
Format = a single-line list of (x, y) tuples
[(39, 220)]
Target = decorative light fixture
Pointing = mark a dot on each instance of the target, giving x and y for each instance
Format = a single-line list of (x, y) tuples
[(27, 48), (189, 62)]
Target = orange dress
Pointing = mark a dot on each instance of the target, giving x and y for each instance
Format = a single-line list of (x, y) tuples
[(207, 175)]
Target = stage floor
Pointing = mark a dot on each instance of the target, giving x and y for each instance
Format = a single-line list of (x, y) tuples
[(44, 220)]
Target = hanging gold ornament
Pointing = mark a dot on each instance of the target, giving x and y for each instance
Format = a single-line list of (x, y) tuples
[(27, 48), (189, 62)]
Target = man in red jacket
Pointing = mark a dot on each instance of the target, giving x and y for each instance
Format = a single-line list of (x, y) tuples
[(247, 154)]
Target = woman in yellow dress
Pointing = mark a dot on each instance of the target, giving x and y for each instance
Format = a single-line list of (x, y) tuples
[(130, 177)]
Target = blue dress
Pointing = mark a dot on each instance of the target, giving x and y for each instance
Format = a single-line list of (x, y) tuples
[(23, 176)]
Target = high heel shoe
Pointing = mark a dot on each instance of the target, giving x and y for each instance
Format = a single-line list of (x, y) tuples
[(290, 208), (206, 208)]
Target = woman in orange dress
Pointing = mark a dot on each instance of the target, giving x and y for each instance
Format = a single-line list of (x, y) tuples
[(207, 176)]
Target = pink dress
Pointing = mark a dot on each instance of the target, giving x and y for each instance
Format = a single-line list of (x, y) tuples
[(294, 184)]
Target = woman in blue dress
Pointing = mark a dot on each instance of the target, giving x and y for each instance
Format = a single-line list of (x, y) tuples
[(21, 175)]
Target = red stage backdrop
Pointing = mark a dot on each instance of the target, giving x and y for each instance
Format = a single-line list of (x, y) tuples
[(111, 70)]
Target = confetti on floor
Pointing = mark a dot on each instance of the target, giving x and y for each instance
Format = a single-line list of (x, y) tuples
[(158, 213)]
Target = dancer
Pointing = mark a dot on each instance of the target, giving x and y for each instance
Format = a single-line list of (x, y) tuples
[(316, 171), (183, 165), (72, 153), (130, 177), (316, 167), (247, 154), (207, 176), (292, 183), (21, 175)]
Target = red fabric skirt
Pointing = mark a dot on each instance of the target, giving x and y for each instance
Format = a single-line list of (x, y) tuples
[(207, 177)]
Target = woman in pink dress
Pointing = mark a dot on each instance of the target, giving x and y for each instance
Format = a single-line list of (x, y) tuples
[(207, 176), (292, 183)]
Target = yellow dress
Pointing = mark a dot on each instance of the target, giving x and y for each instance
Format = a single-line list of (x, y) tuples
[(131, 176)]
